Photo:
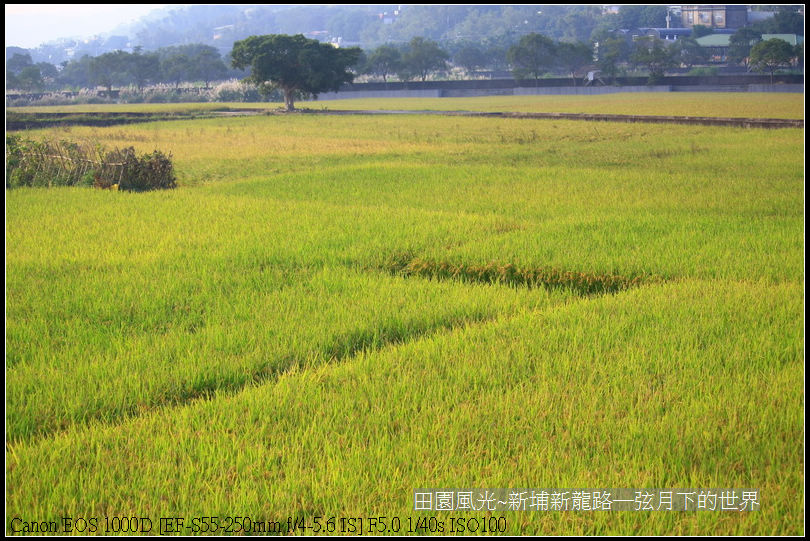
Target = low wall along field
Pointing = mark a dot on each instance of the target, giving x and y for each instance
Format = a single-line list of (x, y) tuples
[(332, 314)]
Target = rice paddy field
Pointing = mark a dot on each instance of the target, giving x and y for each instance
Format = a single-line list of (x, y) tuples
[(332, 312)]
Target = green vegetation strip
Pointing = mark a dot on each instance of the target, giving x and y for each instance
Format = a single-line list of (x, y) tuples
[(650, 119), (16, 121), (580, 283), (695, 104), (700, 104)]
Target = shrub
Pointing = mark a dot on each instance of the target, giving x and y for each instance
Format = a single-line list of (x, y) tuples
[(64, 163), (139, 174)]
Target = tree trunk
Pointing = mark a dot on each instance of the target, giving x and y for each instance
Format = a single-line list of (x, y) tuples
[(288, 99)]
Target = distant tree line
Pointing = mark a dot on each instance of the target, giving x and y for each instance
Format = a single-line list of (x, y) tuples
[(168, 65), (533, 56)]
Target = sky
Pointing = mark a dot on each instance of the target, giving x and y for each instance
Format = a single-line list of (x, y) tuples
[(30, 25)]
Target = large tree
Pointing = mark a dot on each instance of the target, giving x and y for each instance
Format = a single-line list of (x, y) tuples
[(655, 55), (572, 57), (740, 43), (30, 79), (110, 69), (688, 52), (383, 61), (205, 63), (143, 68), (175, 68), (424, 56), (76, 72), (532, 56), (771, 55), (191, 62), (294, 64), (470, 56), (612, 53)]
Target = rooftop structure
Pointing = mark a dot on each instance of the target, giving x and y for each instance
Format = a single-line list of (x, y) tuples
[(731, 16)]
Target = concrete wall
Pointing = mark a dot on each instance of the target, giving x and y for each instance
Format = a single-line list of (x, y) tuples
[(344, 95), (510, 87), (472, 93), (776, 88), (588, 90)]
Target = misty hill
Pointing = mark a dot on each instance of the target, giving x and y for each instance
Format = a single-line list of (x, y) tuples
[(365, 26)]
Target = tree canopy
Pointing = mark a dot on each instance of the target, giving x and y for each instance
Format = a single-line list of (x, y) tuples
[(421, 57), (572, 57), (655, 55), (740, 44), (688, 52), (383, 61), (109, 69), (294, 64), (470, 56), (532, 56), (612, 52), (640, 16), (786, 20), (771, 55), (192, 62)]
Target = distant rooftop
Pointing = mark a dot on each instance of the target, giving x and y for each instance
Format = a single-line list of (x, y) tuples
[(714, 40), (793, 39), (724, 40)]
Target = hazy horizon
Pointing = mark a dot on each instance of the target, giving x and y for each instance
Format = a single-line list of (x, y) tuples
[(31, 25)]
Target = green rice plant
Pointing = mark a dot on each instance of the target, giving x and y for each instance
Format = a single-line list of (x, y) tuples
[(308, 326), (509, 274), (655, 387)]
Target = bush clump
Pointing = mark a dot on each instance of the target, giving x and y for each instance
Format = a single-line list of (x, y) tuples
[(137, 173), (64, 163)]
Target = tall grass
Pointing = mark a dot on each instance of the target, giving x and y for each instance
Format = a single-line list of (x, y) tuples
[(653, 388)]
